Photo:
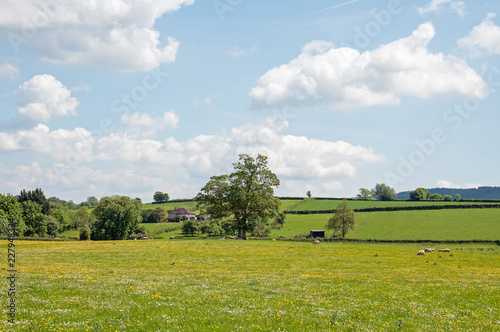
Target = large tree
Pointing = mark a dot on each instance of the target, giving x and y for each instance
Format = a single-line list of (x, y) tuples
[(13, 212), (342, 221), (246, 195), (116, 218), (382, 192), (365, 194), (160, 197), (36, 196), (419, 194)]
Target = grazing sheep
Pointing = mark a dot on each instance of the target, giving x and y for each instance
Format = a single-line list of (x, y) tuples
[(274, 239), (421, 252), (172, 237), (446, 250), (316, 242), (428, 250), (144, 238)]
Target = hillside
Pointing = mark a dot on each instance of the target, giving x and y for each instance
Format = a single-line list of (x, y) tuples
[(473, 193)]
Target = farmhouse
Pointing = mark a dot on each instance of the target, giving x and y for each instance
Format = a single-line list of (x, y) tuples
[(182, 213)]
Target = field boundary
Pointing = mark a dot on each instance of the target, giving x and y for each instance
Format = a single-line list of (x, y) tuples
[(402, 208)]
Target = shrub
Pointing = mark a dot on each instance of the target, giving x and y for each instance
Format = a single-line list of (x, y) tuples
[(84, 233)]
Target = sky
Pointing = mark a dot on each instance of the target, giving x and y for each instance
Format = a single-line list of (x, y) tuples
[(131, 97)]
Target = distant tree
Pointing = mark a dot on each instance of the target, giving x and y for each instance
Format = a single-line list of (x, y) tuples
[(365, 194), (342, 221), (36, 224), (190, 227), (160, 197), (36, 196), (91, 202), (211, 227), (419, 194), (227, 227), (53, 227), (436, 197), (62, 217), (83, 217), (458, 197), (12, 212), (383, 192), (448, 198), (116, 217), (247, 194), (158, 215), (280, 219), (308, 193)]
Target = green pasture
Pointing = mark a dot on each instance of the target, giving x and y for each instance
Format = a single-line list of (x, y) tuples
[(229, 285), (190, 205), (459, 224), (331, 204)]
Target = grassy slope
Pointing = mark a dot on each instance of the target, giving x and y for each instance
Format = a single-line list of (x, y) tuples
[(461, 224), (250, 286), (313, 204), (191, 206)]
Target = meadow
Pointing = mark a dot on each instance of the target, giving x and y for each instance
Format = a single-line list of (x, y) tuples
[(228, 285), (331, 204), (459, 224)]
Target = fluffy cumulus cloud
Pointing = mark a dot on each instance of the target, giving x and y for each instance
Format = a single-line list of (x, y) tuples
[(188, 164), (62, 144), (483, 39), (115, 33), (44, 98), (8, 70), (449, 184), (437, 6), (146, 125), (344, 78)]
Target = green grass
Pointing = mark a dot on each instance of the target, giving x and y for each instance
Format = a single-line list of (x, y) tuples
[(287, 203), (217, 285), (460, 224), (191, 206), (330, 204)]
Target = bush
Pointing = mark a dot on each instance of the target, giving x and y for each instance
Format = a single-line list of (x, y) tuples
[(84, 233)]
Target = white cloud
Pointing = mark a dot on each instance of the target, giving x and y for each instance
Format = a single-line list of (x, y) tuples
[(437, 6), (82, 87), (148, 124), (483, 39), (63, 145), (117, 33), (190, 163), (451, 185), (344, 78), (8, 70), (44, 98)]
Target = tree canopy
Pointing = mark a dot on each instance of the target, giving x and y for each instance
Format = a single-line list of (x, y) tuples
[(419, 194), (116, 218), (246, 195), (160, 197), (382, 192)]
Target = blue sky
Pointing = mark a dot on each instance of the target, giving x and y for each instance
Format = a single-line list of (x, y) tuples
[(123, 97)]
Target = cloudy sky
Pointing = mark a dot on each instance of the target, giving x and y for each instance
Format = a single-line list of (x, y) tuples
[(130, 97)]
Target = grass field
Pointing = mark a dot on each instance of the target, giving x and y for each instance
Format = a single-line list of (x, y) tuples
[(216, 285), (191, 206), (330, 204), (460, 224)]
